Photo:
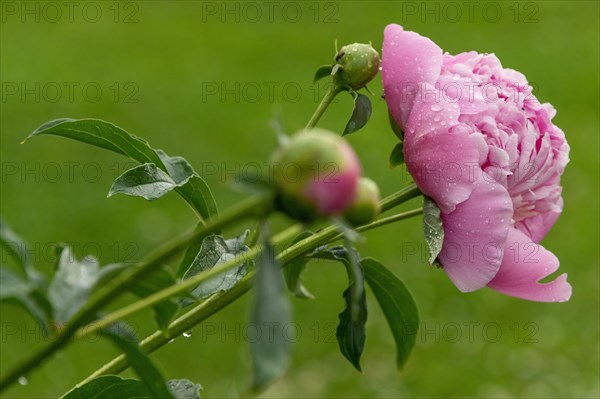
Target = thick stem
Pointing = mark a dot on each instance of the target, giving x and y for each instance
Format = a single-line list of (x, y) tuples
[(220, 300), (253, 206), (332, 91)]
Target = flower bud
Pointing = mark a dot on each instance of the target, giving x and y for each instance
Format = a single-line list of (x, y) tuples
[(316, 174), (365, 206), (359, 64)]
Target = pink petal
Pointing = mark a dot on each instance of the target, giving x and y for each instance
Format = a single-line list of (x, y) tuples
[(430, 112), (444, 164), (408, 61), (523, 265), (536, 227), (474, 236)]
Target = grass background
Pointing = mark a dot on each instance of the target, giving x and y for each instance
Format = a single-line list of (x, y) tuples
[(169, 59)]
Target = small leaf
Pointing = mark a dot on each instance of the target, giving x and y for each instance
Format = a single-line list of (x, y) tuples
[(397, 304), (350, 333), (214, 251), (111, 137), (74, 281), (395, 127), (271, 314), (13, 289), (178, 168), (109, 387), (184, 389), (322, 72), (433, 230), (157, 280), (125, 340), (397, 155), (292, 271), (360, 114), (147, 181)]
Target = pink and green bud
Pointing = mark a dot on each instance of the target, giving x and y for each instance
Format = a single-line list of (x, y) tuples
[(359, 64), (316, 174), (365, 206)]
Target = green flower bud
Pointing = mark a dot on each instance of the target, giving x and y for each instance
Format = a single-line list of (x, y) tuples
[(315, 174), (365, 206), (359, 64)]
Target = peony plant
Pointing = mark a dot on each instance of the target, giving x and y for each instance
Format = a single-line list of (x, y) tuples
[(482, 150)]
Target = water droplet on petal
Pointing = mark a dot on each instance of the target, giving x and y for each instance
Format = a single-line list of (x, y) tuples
[(436, 107)]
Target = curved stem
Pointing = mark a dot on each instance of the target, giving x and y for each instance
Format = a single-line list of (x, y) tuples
[(332, 91), (220, 300), (252, 206)]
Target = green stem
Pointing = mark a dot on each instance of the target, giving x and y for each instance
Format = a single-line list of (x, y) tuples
[(193, 317), (166, 293), (252, 206), (332, 91), (220, 300), (399, 197), (302, 247)]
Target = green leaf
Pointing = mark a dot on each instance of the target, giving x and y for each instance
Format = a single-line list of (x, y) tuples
[(101, 134), (111, 137), (178, 168), (184, 389), (397, 304), (147, 181), (13, 289), (157, 280), (198, 195), (395, 127), (109, 387), (433, 230), (397, 155), (271, 314), (350, 333), (214, 251), (18, 249), (193, 189), (74, 281), (322, 72), (125, 340), (360, 114), (292, 271)]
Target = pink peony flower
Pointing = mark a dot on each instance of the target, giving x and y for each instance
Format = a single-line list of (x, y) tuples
[(478, 142)]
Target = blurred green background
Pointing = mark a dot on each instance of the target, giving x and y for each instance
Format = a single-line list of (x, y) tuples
[(203, 80)]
